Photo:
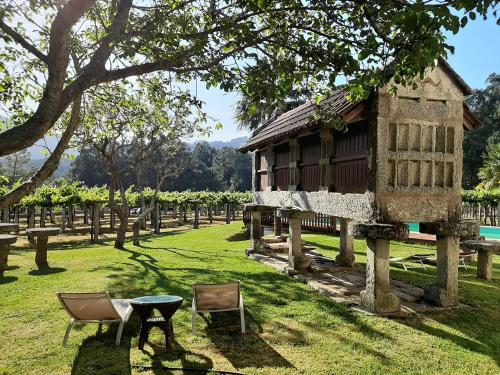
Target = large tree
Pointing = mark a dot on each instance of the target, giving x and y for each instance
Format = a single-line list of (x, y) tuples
[(489, 173), (125, 125), (264, 48), (486, 105)]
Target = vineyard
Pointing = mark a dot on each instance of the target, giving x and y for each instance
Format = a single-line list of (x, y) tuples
[(77, 208)]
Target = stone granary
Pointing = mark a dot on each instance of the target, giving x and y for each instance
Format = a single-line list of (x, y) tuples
[(399, 161)]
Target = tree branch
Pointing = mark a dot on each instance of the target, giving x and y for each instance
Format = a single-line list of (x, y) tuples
[(18, 38), (48, 168)]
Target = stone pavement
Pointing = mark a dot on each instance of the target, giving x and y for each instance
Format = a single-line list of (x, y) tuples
[(344, 284)]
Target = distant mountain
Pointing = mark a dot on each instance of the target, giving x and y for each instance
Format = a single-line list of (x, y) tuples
[(61, 171), (234, 143)]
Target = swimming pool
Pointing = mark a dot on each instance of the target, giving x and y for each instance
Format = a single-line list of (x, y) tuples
[(488, 232)]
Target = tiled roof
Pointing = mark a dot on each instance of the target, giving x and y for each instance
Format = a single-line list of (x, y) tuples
[(296, 120)]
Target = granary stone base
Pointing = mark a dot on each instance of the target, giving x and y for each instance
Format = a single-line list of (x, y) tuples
[(346, 255), (444, 292), (377, 296)]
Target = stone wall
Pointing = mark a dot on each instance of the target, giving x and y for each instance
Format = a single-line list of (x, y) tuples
[(350, 206), (418, 153)]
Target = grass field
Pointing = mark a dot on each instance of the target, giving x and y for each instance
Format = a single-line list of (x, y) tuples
[(291, 329)]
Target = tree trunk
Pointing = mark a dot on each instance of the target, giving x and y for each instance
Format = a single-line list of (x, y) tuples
[(63, 219), (174, 211), (31, 222), (16, 215), (228, 214), (157, 217), (52, 216), (136, 227), (96, 218), (85, 215), (196, 224), (69, 217), (112, 219), (122, 228), (43, 215)]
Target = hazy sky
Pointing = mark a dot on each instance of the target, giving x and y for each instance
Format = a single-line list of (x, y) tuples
[(477, 55)]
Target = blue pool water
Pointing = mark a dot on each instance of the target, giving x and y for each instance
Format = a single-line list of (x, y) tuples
[(488, 232)]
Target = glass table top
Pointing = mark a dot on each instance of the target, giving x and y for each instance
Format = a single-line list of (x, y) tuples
[(156, 300)]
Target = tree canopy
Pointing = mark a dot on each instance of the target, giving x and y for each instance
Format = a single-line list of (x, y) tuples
[(486, 105), (53, 51)]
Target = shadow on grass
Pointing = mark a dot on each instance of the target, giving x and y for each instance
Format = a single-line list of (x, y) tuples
[(7, 279), (46, 271), (98, 354), (240, 236), (190, 361)]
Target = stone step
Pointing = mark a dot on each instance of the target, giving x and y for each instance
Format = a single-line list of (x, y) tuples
[(273, 239), (282, 247)]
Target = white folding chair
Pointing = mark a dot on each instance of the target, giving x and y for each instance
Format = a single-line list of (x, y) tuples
[(208, 298), (95, 308)]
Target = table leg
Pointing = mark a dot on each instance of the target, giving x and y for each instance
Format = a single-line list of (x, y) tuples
[(169, 335), (144, 334), (41, 252)]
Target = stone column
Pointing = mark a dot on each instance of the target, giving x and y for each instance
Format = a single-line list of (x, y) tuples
[(325, 170), (444, 292), (255, 211), (485, 250), (277, 224), (255, 230), (293, 165), (5, 241), (377, 296), (297, 260), (346, 254), (41, 251)]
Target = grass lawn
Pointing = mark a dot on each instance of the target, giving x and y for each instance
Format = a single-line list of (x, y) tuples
[(292, 329)]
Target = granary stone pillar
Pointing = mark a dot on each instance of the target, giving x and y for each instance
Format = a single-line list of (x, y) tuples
[(346, 255), (485, 250), (325, 170), (444, 292), (277, 224), (377, 296), (297, 260), (293, 165), (255, 210)]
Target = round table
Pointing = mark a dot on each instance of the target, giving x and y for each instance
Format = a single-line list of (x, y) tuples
[(166, 305), (5, 241), (9, 227), (42, 240)]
